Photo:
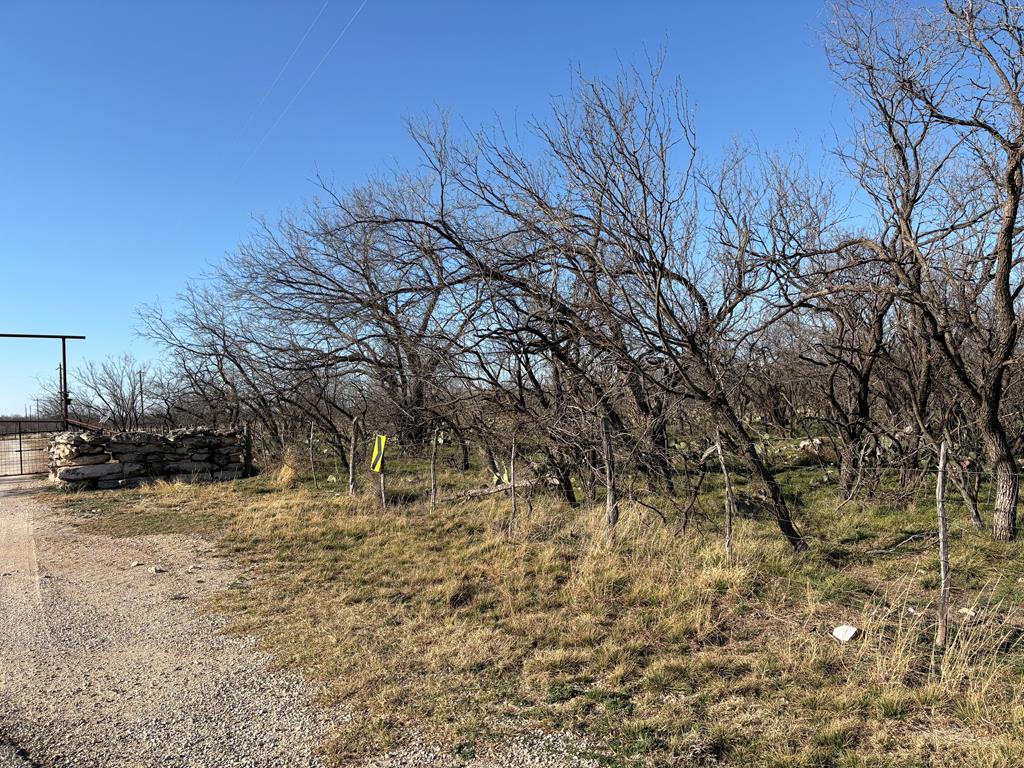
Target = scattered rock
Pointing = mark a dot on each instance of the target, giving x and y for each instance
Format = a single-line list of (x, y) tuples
[(844, 633), (156, 569), (135, 564)]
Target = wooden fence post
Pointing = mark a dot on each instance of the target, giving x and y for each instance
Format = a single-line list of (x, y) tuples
[(730, 500), (611, 503), (940, 507), (512, 476), (247, 454), (312, 464), (433, 472), (352, 445)]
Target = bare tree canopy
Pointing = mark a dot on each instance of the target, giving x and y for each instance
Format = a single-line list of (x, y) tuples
[(602, 294)]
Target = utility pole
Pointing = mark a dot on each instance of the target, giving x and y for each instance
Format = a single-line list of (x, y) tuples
[(65, 399)]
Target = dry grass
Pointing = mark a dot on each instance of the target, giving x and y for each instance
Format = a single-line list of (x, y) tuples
[(290, 468), (465, 626)]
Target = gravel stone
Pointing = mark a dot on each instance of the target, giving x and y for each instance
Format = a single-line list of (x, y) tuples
[(538, 749), (100, 669)]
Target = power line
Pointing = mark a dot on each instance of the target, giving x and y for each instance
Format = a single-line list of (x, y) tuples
[(306, 82), (281, 72)]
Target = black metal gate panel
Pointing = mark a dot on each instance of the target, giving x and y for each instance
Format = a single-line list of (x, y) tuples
[(23, 445)]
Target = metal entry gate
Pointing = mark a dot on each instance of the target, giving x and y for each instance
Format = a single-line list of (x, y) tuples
[(23, 445)]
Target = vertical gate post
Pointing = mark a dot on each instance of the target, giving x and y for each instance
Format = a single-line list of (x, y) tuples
[(64, 399), (21, 453)]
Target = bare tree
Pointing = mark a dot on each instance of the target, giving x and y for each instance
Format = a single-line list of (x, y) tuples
[(939, 152), (112, 392)]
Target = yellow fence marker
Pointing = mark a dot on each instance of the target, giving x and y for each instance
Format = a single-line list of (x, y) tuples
[(377, 459)]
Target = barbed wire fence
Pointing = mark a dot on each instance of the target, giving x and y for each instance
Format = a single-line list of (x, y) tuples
[(407, 464)]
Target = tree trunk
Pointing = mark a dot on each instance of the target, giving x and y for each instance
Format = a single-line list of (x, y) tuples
[(658, 458), (564, 477), (463, 449), (588, 476), (848, 468), (490, 459), (776, 499), (1004, 471), (747, 451), (968, 490), (908, 460)]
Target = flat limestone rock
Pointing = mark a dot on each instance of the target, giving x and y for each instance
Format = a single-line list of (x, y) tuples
[(90, 472), (844, 633), (83, 460), (178, 467)]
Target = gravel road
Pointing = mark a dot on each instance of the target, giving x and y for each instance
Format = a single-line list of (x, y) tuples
[(103, 663)]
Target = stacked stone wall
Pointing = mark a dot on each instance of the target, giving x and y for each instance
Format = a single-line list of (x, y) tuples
[(86, 461)]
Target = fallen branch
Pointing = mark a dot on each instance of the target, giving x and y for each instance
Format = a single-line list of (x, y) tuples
[(633, 498), (912, 537), (503, 488)]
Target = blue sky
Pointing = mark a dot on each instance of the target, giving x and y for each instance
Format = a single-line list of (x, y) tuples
[(136, 145)]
